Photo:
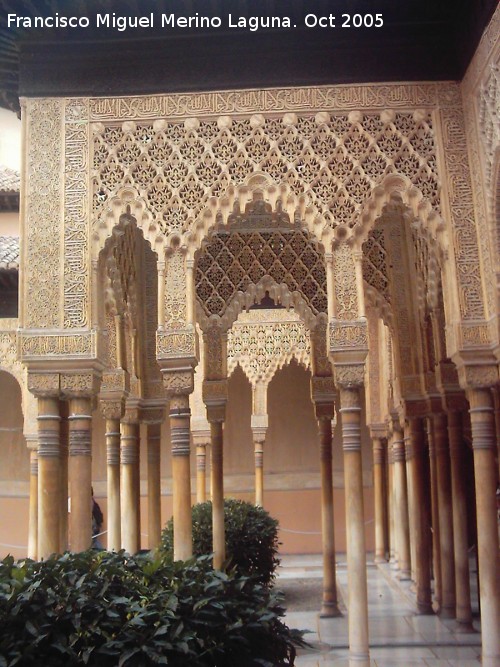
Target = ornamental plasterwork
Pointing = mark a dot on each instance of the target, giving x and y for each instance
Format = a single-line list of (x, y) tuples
[(329, 146), (480, 91), (233, 261), (334, 160), (42, 219), (262, 341), (76, 215)]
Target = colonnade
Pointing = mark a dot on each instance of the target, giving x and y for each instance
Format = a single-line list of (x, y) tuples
[(435, 488)]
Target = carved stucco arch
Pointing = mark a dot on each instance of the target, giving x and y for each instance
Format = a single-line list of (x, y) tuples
[(127, 201), (258, 186), (394, 189), (242, 301)]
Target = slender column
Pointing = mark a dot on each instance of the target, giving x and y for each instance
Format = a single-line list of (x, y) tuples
[(460, 533), (378, 490), (485, 471), (201, 473), (217, 485), (181, 472), (356, 553), (390, 493), (63, 523), (329, 606), (49, 476), (129, 456), (154, 485), (33, 516), (80, 473), (113, 462), (401, 510), (420, 525), (411, 501), (436, 551), (259, 471), (445, 509)]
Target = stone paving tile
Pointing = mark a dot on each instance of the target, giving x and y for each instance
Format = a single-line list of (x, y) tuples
[(455, 652)]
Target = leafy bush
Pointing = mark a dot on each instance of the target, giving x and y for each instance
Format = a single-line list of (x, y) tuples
[(251, 537), (106, 610)]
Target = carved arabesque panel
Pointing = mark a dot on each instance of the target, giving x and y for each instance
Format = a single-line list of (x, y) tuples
[(44, 196), (262, 341)]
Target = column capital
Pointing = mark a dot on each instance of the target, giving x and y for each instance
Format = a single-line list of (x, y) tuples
[(178, 380), (259, 424), (153, 411), (81, 384), (112, 409), (215, 394), (44, 384)]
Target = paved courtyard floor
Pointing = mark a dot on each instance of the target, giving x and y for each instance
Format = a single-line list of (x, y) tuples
[(398, 636)]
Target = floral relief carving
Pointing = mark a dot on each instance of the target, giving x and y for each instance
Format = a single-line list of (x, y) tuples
[(262, 341), (44, 197)]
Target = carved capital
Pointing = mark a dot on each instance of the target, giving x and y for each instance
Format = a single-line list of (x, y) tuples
[(215, 394), (44, 384), (349, 376), (117, 380), (79, 384), (477, 377), (132, 415), (177, 382), (112, 409)]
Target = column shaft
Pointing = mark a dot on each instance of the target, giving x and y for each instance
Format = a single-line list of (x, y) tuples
[(217, 483), (154, 485), (356, 553), (129, 455), (436, 550), (181, 472), (420, 526), (63, 523), (80, 473), (113, 483), (259, 473), (485, 471), (390, 504), (201, 473), (330, 603), (378, 490), (33, 516), (49, 477), (447, 609), (460, 533), (401, 515)]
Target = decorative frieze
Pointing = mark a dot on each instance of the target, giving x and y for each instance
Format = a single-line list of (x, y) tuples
[(68, 345)]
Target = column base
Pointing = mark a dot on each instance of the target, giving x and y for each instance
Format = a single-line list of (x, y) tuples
[(359, 660), (404, 575), (425, 609), (379, 559), (464, 628), (329, 610), (447, 612)]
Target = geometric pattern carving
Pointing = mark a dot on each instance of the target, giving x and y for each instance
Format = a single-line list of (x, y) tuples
[(375, 265), (334, 160), (262, 341), (233, 260)]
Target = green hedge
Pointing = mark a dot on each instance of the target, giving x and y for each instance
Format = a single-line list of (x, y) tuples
[(251, 537), (109, 609)]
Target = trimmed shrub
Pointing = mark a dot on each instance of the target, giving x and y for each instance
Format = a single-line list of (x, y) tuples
[(106, 610), (251, 537)]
